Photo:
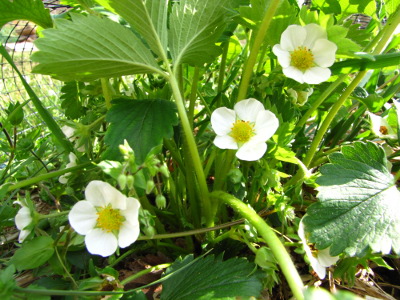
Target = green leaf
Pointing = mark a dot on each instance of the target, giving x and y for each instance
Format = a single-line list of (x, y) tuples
[(256, 11), (358, 203), (30, 10), (211, 278), (7, 282), (147, 17), (89, 47), (319, 293), (337, 34), (71, 99), (34, 253), (195, 26), (143, 123)]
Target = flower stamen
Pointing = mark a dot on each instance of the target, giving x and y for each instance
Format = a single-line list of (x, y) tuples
[(109, 219), (302, 58), (242, 131), (383, 130)]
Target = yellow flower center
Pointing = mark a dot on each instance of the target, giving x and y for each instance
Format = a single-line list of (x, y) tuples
[(302, 58), (109, 219), (242, 131), (383, 130)]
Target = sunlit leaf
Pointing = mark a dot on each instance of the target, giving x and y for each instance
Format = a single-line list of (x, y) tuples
[(89, 47), (147, 17), (358, 205), (30, 10), (195, 26)]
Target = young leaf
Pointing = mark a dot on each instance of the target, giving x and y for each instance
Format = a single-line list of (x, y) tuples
[(212, 278), (34, 253), (30, 10), (89, 47), (71, 102), (148, 17), (143, 123), (195, 26), (358, 204)]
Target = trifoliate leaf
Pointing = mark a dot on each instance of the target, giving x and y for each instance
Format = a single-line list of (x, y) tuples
[(211, 278), (143, 123), (358, 205), (147, 17), (195, 26), (90, 47), (30, 10)]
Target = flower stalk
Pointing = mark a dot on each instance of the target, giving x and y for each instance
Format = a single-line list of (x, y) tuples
[(266, 232)]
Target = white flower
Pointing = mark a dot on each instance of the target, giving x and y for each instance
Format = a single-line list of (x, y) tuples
[(320, 259), (107, 218), (69, 132), (381, 128), (72, 163), (305, 53), (22, 220), (247, 127), (300, 97)]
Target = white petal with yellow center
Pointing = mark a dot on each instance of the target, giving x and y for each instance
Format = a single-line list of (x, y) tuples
[(222, 119), (101, 194), (82, 217)]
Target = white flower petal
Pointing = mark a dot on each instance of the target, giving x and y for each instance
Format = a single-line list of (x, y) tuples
[(325, 259), (248, 109), (128, 234), (23, 218), (377, 122), (222, 120), (225, 142), (68, 131), (251, 151), (23, 234), (293, 37), (283, 56), (63, 179), (101, 242), (316, 75), (266, 125), (324, 52), (314, 33), (82, 217), (131, 213), (101, 193), (294, 73)]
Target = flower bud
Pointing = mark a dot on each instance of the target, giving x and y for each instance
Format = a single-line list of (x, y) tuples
[(161, 202), (149, 186), (130, 180), (149, 231), (122, 181), (164, 170)]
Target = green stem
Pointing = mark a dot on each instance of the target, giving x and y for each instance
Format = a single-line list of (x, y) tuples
[(266, 232), (329, 118), (198, 169), (46, 176), (107, 92), (144, 272), (319, 101), (193, 94), (251, 61), (42, 111)]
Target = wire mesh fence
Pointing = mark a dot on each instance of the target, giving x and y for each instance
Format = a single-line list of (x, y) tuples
[(18, 37)]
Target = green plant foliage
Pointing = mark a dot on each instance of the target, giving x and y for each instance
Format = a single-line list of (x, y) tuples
[(345, 7), (255, 12), (33, 253), (143, 123), (70, 97), (358, 203), (148, 17), (211, 278), (7, 282), (195, 26), (30, 10), (319, 294), (89, 47)]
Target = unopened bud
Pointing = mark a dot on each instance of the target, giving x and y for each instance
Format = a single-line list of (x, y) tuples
[(122, 181), (149, 186), (164, 170), (161, 202), (149, 231), (130, 180)]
